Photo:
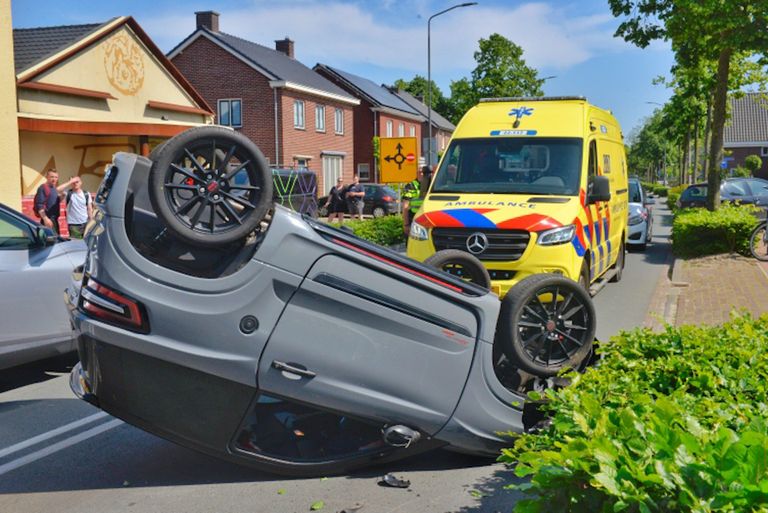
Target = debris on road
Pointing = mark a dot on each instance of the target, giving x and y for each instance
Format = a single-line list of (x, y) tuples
[(317, 506), (394, 482)]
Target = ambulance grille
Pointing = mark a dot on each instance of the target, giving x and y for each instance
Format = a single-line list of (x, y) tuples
[(506, 245)]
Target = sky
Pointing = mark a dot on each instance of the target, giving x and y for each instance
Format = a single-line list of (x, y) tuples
[(383, 40)]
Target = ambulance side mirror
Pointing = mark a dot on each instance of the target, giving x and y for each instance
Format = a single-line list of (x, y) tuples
[(598, 189)]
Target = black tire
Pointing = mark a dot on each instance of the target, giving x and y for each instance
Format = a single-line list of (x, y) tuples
[(758, 243), (379, 212), (619, 265), (195, 189), (542, 336), (462, 265)]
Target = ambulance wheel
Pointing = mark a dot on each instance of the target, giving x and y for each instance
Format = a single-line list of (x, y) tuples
[(210, 186), (547, 323), (462, 265), (621, 259)]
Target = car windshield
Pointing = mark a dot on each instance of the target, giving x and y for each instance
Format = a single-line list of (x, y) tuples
[(635, 196), (695, 191), (511, 165)]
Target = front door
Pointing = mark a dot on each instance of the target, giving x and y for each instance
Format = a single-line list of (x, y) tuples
[(356, 341)]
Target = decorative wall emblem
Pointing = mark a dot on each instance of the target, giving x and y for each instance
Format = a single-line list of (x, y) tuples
[(124, 64)]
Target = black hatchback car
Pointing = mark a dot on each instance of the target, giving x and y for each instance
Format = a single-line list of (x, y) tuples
[(380, 200), (752, 191)]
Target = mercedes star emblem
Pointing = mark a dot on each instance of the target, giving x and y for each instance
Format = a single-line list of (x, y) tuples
[(477, 243)]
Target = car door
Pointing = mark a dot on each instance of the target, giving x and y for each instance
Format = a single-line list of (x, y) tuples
[(359, 341), (32, 278), (736, 191), (759, 190), (370, 199)]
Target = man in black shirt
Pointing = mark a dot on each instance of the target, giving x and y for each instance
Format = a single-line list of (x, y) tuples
[(355, 195), (48, 199)]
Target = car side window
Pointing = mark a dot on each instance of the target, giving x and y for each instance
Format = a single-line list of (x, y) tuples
[(15, 234), (592, 168), (736, 189), (759, 187)]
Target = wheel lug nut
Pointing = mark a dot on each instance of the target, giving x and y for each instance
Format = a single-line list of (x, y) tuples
[(216, 196)]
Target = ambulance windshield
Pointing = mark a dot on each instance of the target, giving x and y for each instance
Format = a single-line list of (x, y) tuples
[(511, 165)]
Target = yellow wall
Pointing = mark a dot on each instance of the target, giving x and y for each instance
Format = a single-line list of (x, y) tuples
[(82, 155), (10, 185), (120, 65)]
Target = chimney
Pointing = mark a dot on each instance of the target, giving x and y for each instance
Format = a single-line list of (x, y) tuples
[(207, 19), (285, 46)]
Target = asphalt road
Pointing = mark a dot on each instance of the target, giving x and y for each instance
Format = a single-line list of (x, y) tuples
[(59, 454)]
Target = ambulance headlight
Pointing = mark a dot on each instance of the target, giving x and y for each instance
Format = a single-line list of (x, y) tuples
[(555, 236), (418, 232)]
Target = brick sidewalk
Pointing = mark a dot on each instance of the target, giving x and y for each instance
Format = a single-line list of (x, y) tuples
[(716, 286)]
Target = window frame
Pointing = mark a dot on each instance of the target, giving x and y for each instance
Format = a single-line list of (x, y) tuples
[(412, 131), (320, 115), (338, 121), (401, 129), (364, 171), (299, 115), (389, 128), (229, 102)]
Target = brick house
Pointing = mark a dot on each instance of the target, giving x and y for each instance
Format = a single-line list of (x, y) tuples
[(379, 114), (442, 129), (295, 116), (747, 132)]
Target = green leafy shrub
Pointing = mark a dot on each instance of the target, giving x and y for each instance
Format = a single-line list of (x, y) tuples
[(699, 232), (668, 422), (660, 190), (673, 194), (385, 231)]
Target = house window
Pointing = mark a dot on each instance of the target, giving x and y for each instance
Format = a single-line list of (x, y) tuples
[(332, 167), (339, 121), (389, 128), (298, 114), (364, 171), (764, 151), (412, 131), (401, 130), (320, 118), (302, 163), (230, 113)]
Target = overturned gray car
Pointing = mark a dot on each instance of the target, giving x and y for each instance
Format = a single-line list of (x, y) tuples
[(215, 319)]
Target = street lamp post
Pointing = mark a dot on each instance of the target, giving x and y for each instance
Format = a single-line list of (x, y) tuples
[(664, 158), (429, 77)]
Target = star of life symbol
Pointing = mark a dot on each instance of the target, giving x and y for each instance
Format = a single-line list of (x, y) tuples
[(520, 112), (477, 243)]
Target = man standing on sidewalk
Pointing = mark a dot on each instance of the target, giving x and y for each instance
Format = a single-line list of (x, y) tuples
[(79, 208), (355, 198), (48, 200)]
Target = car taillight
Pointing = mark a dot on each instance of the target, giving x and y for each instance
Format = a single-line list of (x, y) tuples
[(388, 199), (112, 307)]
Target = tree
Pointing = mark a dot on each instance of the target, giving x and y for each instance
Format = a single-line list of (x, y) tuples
[(712, 30), (501, 71), (753, 163)]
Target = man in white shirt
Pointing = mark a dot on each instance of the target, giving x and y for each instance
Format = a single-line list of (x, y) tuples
[(79, 208)]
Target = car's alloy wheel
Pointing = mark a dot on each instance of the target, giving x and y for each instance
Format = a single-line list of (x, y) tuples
[(547, 323)]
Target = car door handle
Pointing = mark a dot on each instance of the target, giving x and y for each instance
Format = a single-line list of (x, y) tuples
[(293, 369)]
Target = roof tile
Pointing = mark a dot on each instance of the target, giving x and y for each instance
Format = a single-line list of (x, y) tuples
[(33, 45)]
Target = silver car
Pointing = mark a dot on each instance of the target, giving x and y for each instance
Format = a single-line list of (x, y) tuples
[(215, 319), (640, 225), (35, 268)]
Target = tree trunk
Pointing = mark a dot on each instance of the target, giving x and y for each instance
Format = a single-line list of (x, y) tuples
[(718, 129), (695, 172), (686, 157), (707, 128)]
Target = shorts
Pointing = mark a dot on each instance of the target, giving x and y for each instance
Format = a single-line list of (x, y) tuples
[(356, 208)]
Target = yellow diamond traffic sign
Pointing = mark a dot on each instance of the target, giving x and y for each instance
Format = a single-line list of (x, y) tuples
[(398, 159)]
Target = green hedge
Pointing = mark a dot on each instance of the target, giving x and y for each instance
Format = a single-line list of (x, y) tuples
[(385, 231), (699, 232), (673, 194), (668, 422)]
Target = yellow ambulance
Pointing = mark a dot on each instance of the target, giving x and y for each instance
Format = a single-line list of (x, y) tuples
[(528, 186)]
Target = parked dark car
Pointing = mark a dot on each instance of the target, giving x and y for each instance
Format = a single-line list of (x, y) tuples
[(380, 200), (35, 266), (747, 191)]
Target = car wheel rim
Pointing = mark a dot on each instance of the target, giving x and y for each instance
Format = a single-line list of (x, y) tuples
[(760, 244), (211, 191), (554, 326)]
